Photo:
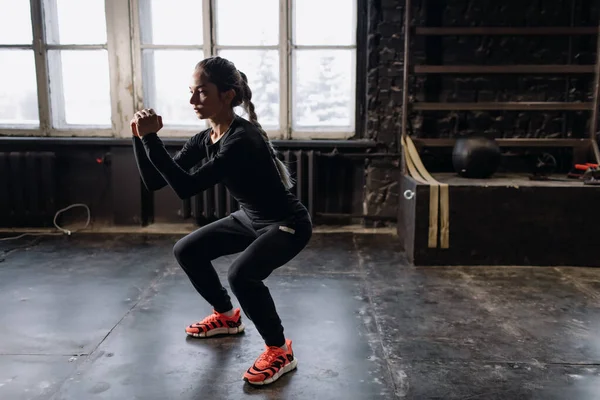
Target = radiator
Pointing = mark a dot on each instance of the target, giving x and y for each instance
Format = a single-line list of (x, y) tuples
[(27, 189), (217, 202)]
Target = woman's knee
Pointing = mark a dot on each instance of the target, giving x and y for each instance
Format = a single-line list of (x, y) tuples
[(180, 249), (237, 279), (234, 278), (186, 249), (243, 276)]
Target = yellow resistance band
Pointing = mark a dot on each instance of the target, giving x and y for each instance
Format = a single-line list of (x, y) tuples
[(438, 195)]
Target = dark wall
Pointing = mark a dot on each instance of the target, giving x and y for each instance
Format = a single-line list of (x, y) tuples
[(103, 175), (385, 49)]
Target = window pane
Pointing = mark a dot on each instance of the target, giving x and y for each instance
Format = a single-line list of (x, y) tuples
[(167, 76), (18, 97), (79, 82), (171, 21), (262, 70), (15, 22), (324, 88), (313, 23), (75, 21), (247, 23)]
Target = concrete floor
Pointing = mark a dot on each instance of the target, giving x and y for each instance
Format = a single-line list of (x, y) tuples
[(103, 316)]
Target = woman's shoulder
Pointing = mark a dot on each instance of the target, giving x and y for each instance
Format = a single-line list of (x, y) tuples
[(243, 131), (203, 136), (199, 138), (243, 124)]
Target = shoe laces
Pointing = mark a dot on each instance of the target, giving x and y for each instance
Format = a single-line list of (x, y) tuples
[(211, 318), (270, 354)]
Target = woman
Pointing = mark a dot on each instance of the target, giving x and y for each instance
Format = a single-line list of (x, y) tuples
[(271, 227)]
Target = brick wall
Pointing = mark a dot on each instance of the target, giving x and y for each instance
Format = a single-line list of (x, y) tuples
[(385, 71), (385, 47)]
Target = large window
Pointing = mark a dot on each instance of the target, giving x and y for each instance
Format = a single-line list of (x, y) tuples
[(18, 97), (323, 78), (77, 60), (171, 43), (255, 49), (83, 67)]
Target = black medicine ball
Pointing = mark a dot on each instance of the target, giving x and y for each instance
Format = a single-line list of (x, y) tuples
[(476, 157)]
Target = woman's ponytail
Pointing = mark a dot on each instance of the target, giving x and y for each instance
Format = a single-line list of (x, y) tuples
[(283, 170)]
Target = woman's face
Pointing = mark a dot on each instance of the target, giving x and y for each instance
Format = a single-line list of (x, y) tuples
[(206, 99)]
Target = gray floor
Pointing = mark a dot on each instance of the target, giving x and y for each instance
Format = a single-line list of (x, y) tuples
[(102, 317)]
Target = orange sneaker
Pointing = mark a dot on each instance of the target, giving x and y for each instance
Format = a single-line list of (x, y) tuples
[(217, 324), (271, 364)]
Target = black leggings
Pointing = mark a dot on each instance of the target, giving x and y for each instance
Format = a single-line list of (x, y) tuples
[(265, 247)]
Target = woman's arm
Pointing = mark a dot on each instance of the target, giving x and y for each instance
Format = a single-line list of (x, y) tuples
[(190, 155), (186, 184)]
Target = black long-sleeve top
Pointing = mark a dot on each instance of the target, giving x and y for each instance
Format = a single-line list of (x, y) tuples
[(240, 159)]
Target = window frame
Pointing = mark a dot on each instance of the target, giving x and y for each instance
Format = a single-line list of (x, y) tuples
[(314, 132), (286, 71), (284, 68), (138, 47), (124, 48), (118, 47), (41, 76)]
